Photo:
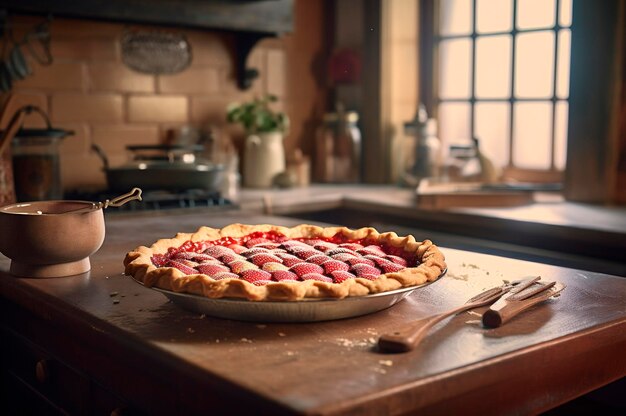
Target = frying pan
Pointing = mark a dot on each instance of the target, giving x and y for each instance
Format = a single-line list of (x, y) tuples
[(168, 174)]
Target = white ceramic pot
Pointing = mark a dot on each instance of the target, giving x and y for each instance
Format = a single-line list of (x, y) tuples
[(264, 158)]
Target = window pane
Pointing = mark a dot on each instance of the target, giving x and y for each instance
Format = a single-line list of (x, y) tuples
[(562, 75), (560, 134), (454, 123), (492, 129), (494, 16), (456, 17), (532, 135), (454, 56), (532, 14), (493, 66), (565, 14), (534, 65)]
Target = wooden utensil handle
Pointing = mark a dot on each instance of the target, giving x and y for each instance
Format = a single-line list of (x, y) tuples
[(404, 340), (407, 338), (494, 318)]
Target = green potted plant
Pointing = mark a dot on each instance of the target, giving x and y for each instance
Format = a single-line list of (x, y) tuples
[(257, 116), (264, 152)]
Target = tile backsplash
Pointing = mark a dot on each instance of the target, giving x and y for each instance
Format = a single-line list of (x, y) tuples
[(88, 89)]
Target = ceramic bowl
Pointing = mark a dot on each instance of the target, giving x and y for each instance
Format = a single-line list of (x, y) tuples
[(47, 239)]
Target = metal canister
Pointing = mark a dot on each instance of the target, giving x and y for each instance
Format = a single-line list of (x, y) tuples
[(428, 149), (427, 153)]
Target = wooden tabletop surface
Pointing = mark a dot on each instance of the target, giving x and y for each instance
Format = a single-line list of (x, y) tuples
[(550, 354)]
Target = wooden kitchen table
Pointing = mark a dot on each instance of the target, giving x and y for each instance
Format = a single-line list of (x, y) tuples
[(100, 342)]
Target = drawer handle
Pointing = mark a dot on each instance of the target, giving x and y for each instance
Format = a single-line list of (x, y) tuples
[(119, 411), (42, 371)]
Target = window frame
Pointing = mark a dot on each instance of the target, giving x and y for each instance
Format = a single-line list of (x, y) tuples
[(429, 81)]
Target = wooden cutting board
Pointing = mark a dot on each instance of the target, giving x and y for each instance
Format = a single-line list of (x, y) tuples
[(469, 195)]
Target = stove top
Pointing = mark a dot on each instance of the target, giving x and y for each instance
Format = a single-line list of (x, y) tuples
[(160, 200)]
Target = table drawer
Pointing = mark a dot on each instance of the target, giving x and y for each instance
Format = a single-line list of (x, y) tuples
[(37, 370)]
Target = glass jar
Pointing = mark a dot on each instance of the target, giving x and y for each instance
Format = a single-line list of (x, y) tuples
[(36, 167), (338, 148)]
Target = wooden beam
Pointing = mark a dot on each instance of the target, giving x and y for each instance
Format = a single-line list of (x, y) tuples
[(374, 147), (597, 67)]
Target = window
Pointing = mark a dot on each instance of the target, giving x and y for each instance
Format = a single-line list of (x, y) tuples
[(501, 74)]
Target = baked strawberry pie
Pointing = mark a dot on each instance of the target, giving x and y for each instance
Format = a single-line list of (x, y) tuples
[(268, 262)]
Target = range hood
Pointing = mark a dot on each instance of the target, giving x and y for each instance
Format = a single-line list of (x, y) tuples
[(248, 20)]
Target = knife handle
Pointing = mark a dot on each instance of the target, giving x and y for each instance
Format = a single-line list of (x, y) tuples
[(498, 315)]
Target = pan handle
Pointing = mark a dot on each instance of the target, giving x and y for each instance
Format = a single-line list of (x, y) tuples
[(98, 151)]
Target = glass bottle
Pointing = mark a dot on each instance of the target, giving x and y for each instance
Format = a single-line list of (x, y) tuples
[(427, 159)]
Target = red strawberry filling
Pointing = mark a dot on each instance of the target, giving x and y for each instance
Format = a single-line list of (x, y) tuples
[(264, 257)]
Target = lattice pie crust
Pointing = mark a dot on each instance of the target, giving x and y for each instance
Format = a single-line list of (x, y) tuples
[(240, 261)]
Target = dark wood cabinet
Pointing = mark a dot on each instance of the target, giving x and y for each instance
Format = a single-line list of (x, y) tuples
[(248, 21), (56, 362), (267, 16), (38, 382)]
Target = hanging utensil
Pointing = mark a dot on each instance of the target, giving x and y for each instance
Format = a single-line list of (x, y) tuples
[(6, 80), (15, 61), (38, 43), (17, 64), (13, 64)]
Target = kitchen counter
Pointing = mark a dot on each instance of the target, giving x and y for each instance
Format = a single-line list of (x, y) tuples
[(548, 209), (100, 342), (551, 230)]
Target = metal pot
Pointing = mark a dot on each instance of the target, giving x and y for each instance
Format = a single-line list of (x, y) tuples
[(171, 168)]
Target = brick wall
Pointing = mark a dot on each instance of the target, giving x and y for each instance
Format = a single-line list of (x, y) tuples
[(89, 90)]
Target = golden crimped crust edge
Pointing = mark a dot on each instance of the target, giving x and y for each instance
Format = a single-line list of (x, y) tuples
[(138, 264)]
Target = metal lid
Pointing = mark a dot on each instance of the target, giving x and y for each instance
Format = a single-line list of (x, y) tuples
[(49, 133), (166, 147)]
